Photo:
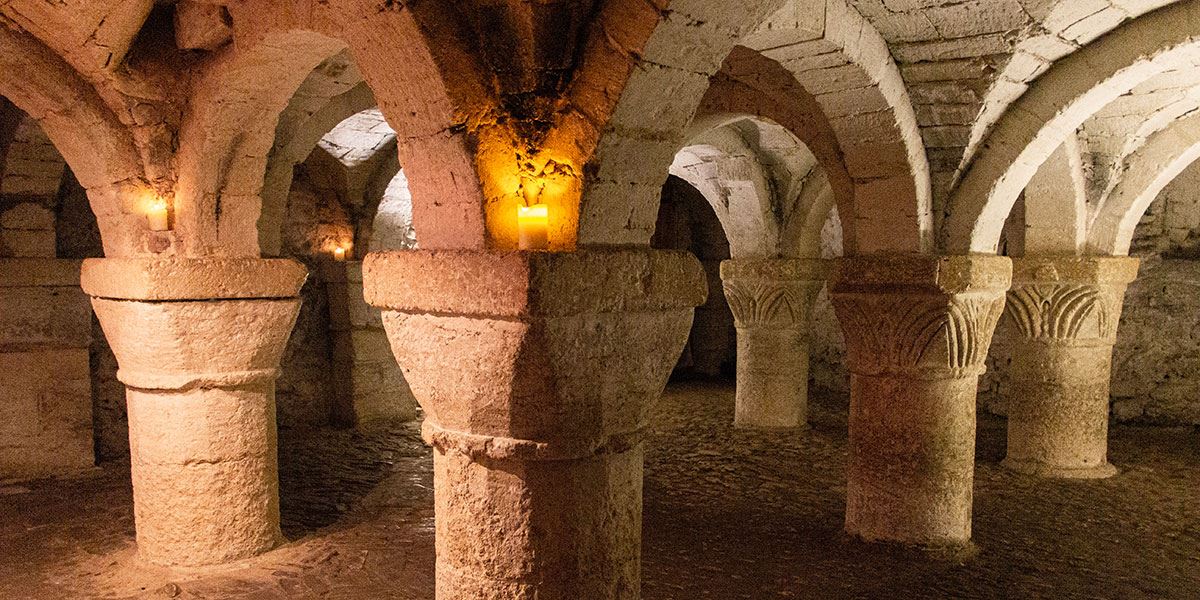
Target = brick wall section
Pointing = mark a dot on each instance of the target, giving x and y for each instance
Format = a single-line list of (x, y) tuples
[(29, 186), (45, 331)]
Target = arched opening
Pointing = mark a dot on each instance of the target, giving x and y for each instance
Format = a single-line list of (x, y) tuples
[(686, 221), (334, 191)]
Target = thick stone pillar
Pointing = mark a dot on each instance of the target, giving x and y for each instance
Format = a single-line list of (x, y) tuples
[(198, 343), (369, 389), (917, 331), (1065, 312), (536, 372), (771, 300)]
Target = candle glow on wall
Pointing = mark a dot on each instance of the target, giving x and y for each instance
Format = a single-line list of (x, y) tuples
[(535, 187)]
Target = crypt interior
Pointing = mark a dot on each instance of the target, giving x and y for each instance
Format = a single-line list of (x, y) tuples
[(599, 299)]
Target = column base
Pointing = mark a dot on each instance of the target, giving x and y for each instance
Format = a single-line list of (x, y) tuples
[(1038, 469)]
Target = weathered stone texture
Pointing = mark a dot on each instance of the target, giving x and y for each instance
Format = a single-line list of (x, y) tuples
[(917, 330), (1154, 375), (536, 398), (46, 412), (46, 392)]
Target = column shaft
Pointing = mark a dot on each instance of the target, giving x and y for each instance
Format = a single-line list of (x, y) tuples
[(771, 300), (917, 330), (538, 529), (205, 474), (1064, 312)]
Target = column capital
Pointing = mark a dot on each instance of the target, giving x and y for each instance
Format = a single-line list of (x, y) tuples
[(776, 292), (919, 315), (538, 355), (187, 323), (157, 279), (1069, 299), (530, 285)]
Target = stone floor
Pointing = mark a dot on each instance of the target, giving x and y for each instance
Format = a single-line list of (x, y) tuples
[(728, 515)]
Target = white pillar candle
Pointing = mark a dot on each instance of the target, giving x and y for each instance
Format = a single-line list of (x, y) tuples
[(533, 224), (156, 214)]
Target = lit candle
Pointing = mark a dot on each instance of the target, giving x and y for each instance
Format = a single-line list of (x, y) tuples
[(533, 224), (339, 254), (156, 214)]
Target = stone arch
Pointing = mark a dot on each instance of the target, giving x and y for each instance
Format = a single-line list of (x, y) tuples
[(774, 95), (295, 139), (1058, 36), (845, 64), (881, 122), (391, 49), (1159, 116), (635, 94), (765, 186), (1075, 88), (1163, 157), (105, 161), (225, 139)]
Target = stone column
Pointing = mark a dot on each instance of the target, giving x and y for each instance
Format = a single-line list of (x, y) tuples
[(198, 343), (369, 388), (770, 300), (917, 331), (536, 372), (1065, 312)]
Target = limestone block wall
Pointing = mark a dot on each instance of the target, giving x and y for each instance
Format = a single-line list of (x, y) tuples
[(1156, 361), (46, 333), (45, 387), (338, 367), (29, 184), (303, 392), (368, 385)]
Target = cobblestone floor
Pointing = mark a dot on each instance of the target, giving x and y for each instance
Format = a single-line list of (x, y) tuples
[(728, 515)]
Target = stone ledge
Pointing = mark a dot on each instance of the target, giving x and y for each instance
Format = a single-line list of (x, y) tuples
[(533, 284), (192, 279), (927, 273), (39, 272), (801, 269), (1119, 270)]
